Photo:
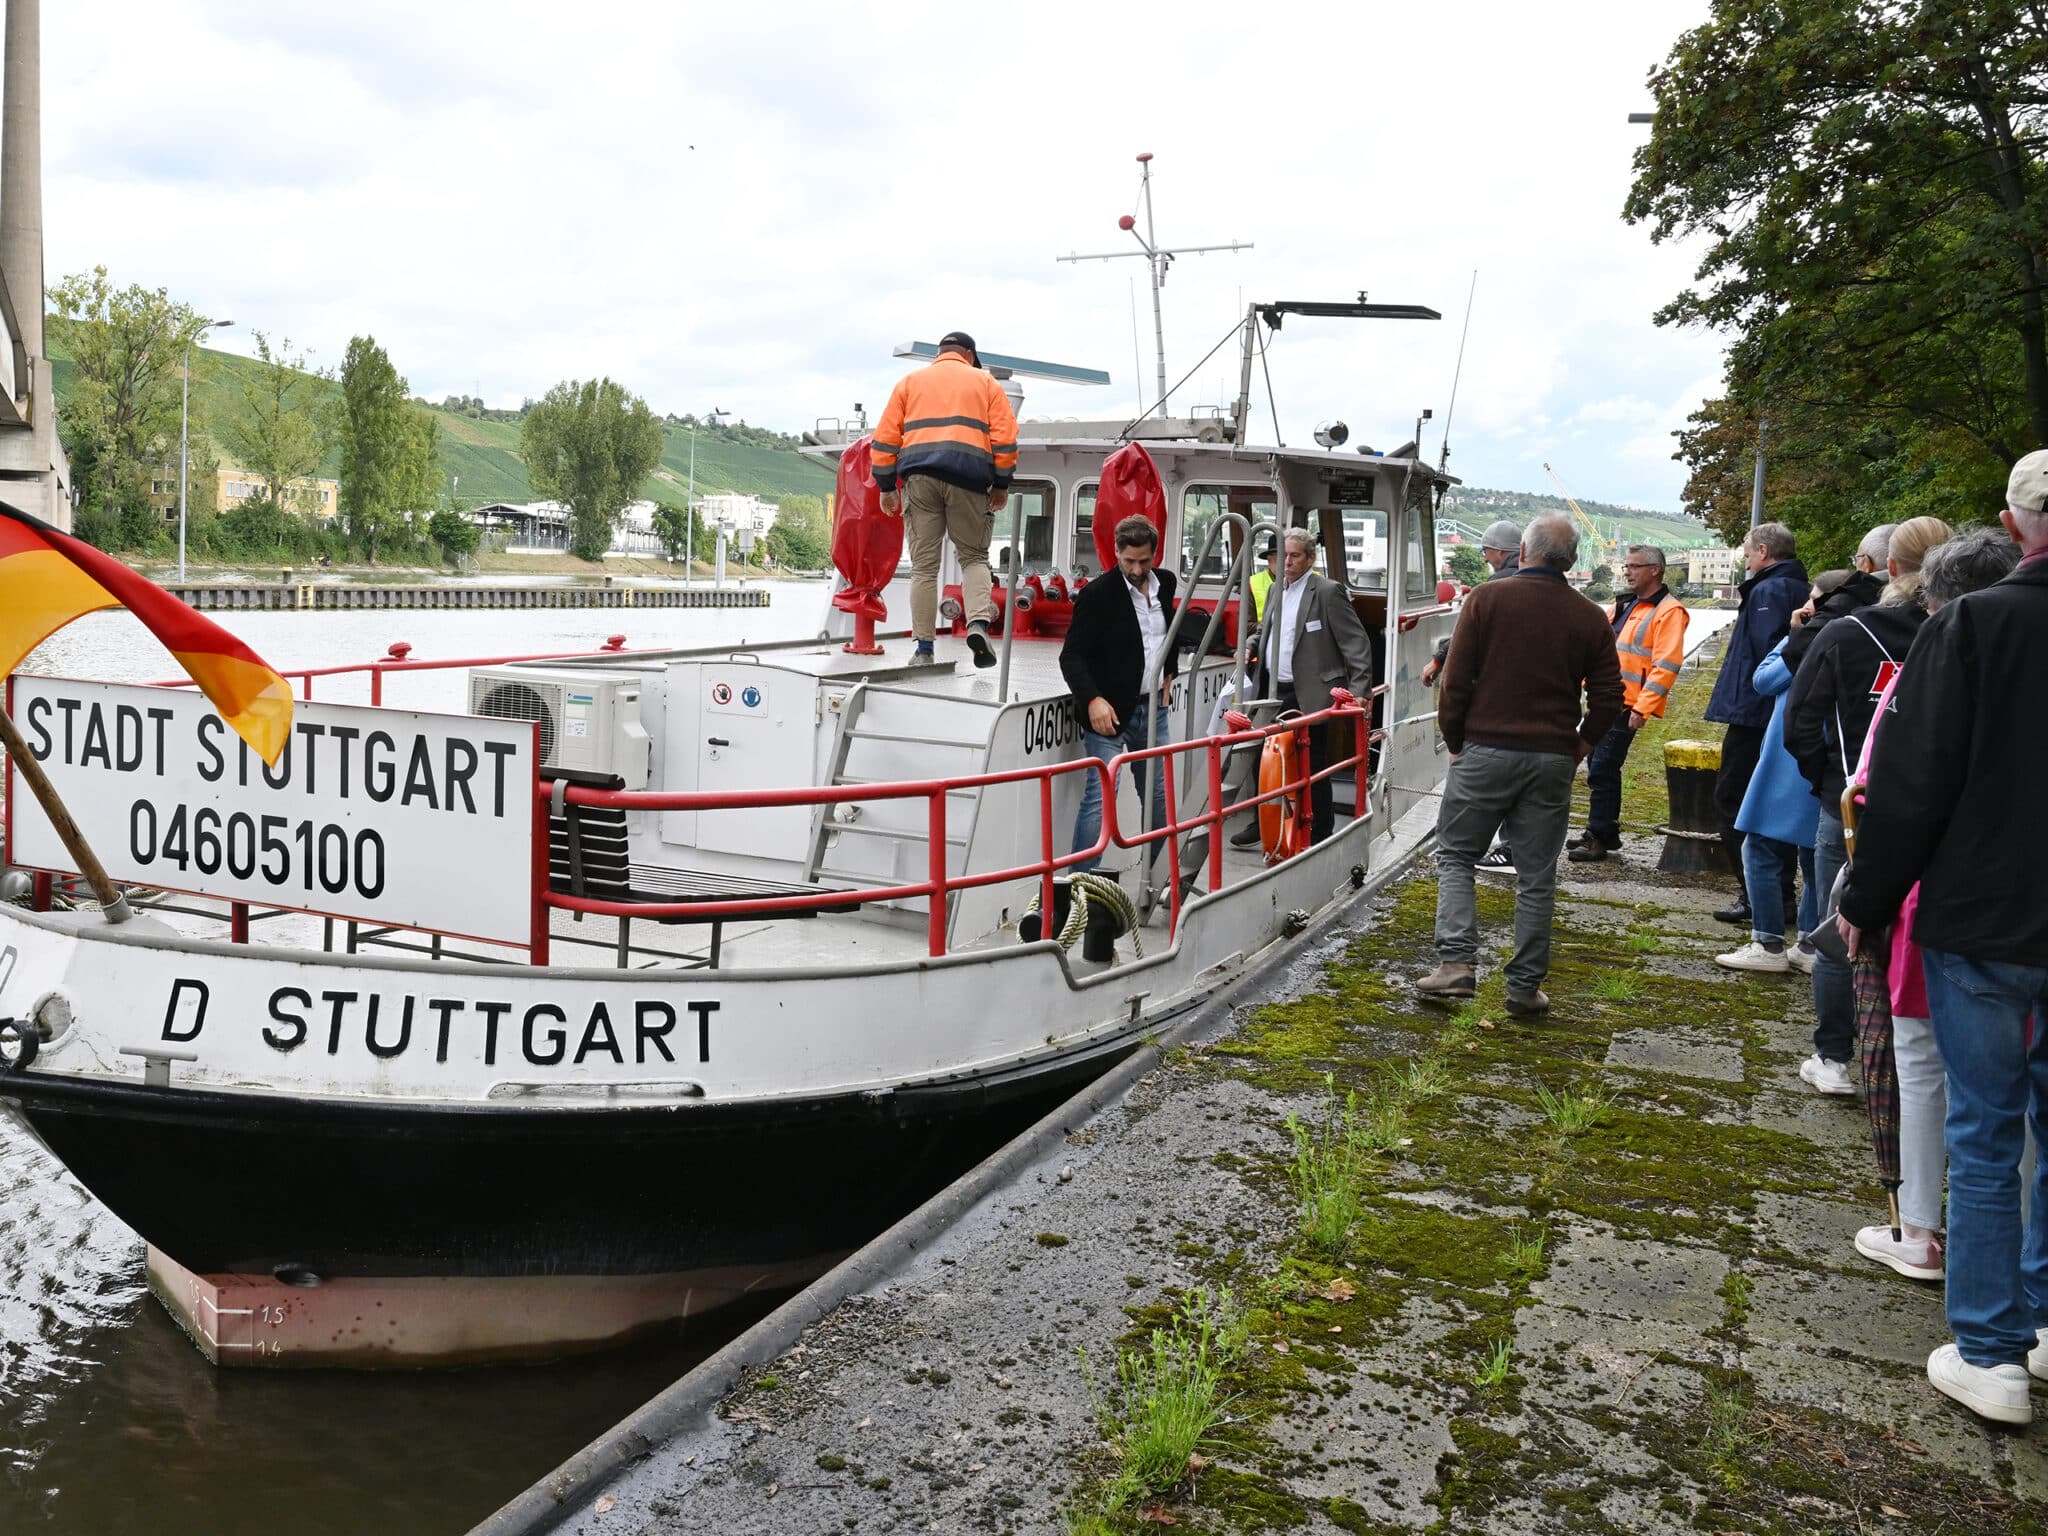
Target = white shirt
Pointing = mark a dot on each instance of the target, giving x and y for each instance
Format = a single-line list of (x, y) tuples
[(1151, 622), (1288, 620)]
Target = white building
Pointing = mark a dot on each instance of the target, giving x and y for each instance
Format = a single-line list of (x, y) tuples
[(733, 511), (1719, 571)]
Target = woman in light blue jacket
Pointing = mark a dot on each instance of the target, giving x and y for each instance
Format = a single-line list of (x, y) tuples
[(1779, 818)]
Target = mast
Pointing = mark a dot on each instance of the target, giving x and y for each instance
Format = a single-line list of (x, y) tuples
[(1157, 259)]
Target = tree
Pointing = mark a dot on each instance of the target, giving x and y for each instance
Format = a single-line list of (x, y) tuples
[(416, 470), (456, 534), (277, 436), (371, 433), (122, 412), (1467, 567), (1870, 176), (672, 528), (589, 445), (800, 540)]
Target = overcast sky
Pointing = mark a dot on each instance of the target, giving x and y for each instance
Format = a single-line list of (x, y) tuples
[(748, 205)]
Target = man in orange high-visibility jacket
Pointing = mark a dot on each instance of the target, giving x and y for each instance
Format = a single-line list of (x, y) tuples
[(1649, 637), (943, 454)]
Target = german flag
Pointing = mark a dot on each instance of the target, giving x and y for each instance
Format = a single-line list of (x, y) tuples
[(48, 578)]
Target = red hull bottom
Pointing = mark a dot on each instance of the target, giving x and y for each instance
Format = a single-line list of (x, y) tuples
[(412, 1321)]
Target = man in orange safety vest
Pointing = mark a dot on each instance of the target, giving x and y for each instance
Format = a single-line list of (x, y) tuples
[(1649, 636)]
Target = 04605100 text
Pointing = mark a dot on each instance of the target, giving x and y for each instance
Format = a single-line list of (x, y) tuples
[(283, 852)]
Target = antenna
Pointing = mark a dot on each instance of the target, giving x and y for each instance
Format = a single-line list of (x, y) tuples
[(1157, 258), (1444, 458)]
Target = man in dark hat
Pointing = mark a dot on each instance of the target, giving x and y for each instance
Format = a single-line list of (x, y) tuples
[(943, 454)]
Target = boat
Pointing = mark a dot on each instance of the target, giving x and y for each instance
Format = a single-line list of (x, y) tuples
[(662, 977)]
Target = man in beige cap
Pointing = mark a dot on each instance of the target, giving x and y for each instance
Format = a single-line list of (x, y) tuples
[(1952, 805)]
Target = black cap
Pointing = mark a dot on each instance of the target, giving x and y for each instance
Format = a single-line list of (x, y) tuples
[(964, 342)]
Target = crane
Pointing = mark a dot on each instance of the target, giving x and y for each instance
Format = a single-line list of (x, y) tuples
[(1600, 550)]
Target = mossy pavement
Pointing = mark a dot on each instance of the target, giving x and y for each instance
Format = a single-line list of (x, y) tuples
[(1693, 1343)]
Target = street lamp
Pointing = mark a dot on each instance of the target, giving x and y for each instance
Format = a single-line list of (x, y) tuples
[(184, 433), (690, 499)]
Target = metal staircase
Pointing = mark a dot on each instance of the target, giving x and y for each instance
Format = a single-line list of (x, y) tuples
[(886, 842)]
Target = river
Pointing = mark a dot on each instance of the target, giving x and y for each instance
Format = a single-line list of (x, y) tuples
[(113, 1422)]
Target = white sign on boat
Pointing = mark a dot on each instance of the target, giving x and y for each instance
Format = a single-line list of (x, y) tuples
[(376, 815)]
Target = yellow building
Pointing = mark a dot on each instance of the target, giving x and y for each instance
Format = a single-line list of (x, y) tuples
[(232, 486)]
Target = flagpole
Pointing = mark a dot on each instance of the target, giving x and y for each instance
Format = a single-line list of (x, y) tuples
[(112, 902)]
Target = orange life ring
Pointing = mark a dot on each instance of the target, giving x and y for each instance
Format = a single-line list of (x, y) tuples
[(1283, 829)]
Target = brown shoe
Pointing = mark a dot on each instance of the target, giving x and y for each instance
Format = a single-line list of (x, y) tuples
[(1528, 1004), (1453, 978)]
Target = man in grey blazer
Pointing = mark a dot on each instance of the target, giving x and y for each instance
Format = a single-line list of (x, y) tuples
[(1311, 642)]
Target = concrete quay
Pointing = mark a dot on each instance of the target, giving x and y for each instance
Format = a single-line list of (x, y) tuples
[(1696, 1345)]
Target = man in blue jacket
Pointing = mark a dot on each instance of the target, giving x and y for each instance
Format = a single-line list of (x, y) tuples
[(1776, 588)]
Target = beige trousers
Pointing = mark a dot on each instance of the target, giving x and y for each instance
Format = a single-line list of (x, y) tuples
[(932, 510)]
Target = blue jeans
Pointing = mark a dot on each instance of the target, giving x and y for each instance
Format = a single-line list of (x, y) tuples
[(1088, 825), (1997, 1291), (1763, 872), (1834, 993), (1603, 782)]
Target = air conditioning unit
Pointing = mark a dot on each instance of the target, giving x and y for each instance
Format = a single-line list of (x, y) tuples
[(588, 720)]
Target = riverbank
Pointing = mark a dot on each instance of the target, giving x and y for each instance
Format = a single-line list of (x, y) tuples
[(1592, 1273)]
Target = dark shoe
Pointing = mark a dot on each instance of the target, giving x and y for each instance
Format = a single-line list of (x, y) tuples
[(1453, 978), (1579, 841), (1496, 861), (977, 642), (1591, 851), (1737, 914), (1248, 838), (1527, 1005)]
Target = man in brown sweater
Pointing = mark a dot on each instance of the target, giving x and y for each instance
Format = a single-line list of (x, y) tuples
[(1522, 654)]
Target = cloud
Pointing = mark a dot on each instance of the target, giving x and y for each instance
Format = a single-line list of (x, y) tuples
[(506, 194)]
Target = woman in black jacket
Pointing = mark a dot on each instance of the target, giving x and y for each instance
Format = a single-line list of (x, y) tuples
[(1834, 694)]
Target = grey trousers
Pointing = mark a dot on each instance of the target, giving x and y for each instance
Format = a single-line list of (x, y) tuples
[(1527, 796)]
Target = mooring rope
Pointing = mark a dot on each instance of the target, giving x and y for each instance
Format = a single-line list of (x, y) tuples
[(1087, 888)]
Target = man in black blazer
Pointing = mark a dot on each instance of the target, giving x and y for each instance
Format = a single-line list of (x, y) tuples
[(1115, 645)]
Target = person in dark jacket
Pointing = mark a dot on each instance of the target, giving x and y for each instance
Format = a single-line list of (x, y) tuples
[(1858, 590), (1777, 585), (1834, 694), (1115, 647), (1951, 803)]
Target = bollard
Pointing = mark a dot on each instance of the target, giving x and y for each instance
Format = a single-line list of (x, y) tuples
[(1692, 838)]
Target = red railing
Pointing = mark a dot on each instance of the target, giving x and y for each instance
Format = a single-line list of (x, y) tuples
[(1213, 749), (396, 660), (935, 888), (939, 882)]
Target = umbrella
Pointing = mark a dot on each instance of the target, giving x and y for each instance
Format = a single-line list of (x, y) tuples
[(1870, 977)]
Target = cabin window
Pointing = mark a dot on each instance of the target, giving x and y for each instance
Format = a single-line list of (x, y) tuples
[(1418, 557), (1083, 557), (1201, 505), (1365, 549), (1030, 509)]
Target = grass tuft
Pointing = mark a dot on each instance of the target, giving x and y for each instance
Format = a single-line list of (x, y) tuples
[(1617, 988), (1572, 1112), (1524, 1258), (1330, 1159), (1423, 1079), (1493, 1370), (1728, 1437), (1164, 1400)]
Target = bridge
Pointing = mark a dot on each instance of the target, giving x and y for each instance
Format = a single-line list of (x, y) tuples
[(34, 474)]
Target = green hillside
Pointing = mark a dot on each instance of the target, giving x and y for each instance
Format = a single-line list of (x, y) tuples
[(1477, 506), (484, 452)]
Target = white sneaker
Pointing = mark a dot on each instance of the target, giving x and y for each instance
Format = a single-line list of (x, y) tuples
[(1827, 1076), (1997, 1392), (1754, 957), (1800, 956), (2037, 1357), (1914, 1257)]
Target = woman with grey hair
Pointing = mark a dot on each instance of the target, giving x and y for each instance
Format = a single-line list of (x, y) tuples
[(1968, 562)]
